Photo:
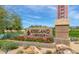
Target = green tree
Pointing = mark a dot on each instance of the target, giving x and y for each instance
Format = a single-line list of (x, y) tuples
[(16, 25), (3, 15), (9, 21)]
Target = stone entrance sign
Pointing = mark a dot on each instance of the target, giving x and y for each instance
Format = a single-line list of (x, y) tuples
[(40, 32)]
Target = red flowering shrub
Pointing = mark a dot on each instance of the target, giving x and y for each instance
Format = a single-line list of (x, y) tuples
[(21, 38), (30, 38)]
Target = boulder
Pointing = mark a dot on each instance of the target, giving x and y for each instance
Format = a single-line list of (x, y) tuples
[(32, 50), (63, 49)]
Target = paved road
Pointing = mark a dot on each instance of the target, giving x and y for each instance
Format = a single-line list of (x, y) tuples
[(25, 43)]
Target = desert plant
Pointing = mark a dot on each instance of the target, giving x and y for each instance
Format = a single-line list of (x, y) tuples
[(6, 46), (1, 43), (19, 52)]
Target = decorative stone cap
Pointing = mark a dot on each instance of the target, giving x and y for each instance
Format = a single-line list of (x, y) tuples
[(62, 22)]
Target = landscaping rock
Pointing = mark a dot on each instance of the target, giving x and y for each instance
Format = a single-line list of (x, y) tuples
[(63, 49), (32, 50)]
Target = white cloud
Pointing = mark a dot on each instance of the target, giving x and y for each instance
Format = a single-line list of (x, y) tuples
[(32, 16), (52, 7), (40, 7), (35, 23), (35, 7), (73, 14)]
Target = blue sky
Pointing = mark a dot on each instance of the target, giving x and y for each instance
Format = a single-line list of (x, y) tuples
[(42, 14)]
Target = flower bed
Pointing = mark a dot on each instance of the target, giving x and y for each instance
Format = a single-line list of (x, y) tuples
[(23, 38)]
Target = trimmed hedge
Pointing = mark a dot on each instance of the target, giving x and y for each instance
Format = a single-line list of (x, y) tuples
[(74, 33)]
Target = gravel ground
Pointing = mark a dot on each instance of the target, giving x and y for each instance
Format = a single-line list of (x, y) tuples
[(75, 47)]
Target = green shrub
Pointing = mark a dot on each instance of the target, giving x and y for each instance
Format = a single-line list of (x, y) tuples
[(74, 33), (7, 45), (1, 43)]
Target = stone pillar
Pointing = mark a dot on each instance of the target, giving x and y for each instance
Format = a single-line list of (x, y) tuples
[(62, 26)]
